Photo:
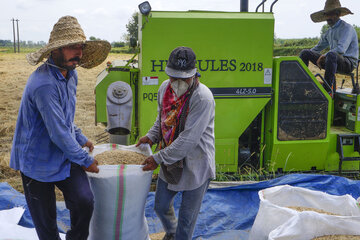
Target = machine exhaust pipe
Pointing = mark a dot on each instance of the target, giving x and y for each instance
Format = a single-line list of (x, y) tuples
[(244, 5)]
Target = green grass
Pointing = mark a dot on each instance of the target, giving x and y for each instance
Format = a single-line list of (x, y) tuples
[(123, 50), (251, 174), (247, 173)]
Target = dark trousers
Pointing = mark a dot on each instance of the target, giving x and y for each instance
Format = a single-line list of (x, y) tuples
[(333, 63), (182, 228), (41, 200)]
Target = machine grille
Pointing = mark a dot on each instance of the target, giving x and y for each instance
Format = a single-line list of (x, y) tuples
[(303, 108)]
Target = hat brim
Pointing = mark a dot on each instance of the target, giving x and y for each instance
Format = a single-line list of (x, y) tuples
[(94, 52), (321, 17), (180, 74)]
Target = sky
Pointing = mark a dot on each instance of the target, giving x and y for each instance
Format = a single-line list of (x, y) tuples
[(107, 19)]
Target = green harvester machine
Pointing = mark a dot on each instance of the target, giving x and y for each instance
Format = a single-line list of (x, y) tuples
[(271, 112)]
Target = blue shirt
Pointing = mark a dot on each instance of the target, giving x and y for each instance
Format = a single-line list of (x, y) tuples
[(342, 39), (46, 139)]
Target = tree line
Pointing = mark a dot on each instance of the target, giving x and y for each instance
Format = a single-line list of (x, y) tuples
[(28, 44)]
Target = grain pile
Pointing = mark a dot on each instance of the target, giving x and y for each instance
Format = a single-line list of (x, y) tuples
[(117, 157), (301, 209), (338, 237), (326, 237)]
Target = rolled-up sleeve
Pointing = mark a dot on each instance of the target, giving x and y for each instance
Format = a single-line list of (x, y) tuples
[(47, 100)]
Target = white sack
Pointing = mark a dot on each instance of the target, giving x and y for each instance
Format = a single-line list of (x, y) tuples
[(9, 228), (120, 193), (274, 203), (308, 225)]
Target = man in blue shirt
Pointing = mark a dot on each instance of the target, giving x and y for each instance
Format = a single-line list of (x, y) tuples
[(47, 145), (342, 40)]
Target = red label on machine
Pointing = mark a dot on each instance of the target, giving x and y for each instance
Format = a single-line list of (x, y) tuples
[(150, 80)]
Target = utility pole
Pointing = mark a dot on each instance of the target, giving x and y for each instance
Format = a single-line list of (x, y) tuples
[(13, 20), (17, 26)]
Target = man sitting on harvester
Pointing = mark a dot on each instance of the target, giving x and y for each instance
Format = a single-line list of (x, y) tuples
[(342, 40)]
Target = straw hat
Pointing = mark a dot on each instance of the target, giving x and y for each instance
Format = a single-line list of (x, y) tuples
[(330, 5), (67, 31)]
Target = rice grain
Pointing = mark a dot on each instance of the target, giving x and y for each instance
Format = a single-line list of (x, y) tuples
[(117, 157)]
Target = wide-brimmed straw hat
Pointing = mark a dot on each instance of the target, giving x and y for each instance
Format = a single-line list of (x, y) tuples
[(67, 31), (330, 5)]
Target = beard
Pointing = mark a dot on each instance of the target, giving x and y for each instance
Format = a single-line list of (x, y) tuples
[(331, 21), (61, 62)]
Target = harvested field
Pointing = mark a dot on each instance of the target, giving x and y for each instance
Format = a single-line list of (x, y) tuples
[(337, 237), (117, 157)]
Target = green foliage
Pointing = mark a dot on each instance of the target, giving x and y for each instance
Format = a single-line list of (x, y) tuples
[(290, 51), (245, 174), (293, 47), (117, 44), (132, 26), (122, 50), (92, 38), (296, 42), (4, 43)]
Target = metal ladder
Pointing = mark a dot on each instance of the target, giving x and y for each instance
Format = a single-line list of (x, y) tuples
[(339, 148)]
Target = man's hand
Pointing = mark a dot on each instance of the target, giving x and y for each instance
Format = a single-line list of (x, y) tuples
[(150, 164), (144, 139), (93, 168), (321, 61), (90, 145)]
